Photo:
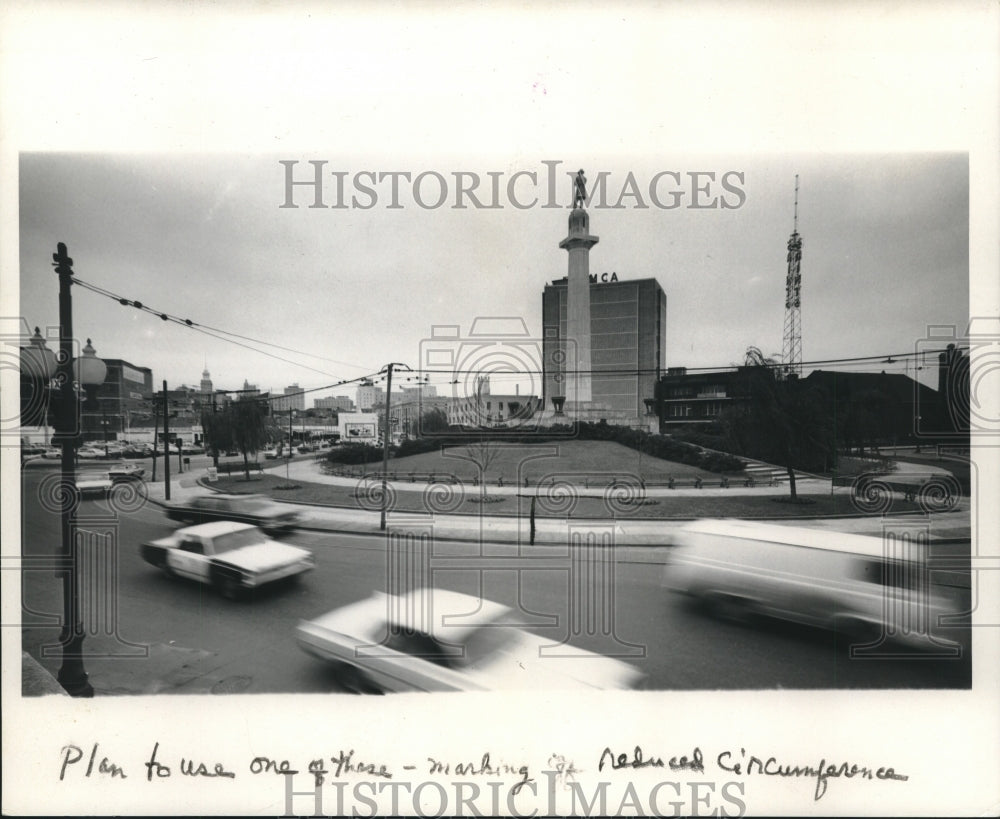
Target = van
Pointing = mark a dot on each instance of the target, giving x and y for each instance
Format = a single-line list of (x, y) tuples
[(858, 586)]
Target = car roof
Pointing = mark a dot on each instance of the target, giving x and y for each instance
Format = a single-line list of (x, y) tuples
[(216, 528), (425, 610), (778, 534), (430, 610), (233, 496)]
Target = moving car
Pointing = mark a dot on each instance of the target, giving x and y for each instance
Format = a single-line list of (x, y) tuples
[(855, 585), (126, 472), (437, 640), (93, 484), (259, 510), (233, 557), (100, 482)]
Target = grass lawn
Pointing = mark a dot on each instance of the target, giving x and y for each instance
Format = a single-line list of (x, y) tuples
[(588, 504), (596, 460)]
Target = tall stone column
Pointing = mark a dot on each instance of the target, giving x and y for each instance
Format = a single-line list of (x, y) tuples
[(578, 244)]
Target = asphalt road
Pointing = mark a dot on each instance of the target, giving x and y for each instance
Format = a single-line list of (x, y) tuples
[(185, 638)]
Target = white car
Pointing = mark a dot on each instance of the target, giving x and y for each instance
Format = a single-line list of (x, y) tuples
[(437, 640), (233, 557), (96, 484), (853, 585), (126, 472)]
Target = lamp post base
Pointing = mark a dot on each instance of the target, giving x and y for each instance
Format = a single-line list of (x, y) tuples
[(72, 676)]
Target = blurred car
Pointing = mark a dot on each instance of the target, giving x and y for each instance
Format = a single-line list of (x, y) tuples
[(850, 584), (126, 472), (93, 484), (52, 454), (461, 643), (272, 453), (232, 557), (89, 453), (259, 510)]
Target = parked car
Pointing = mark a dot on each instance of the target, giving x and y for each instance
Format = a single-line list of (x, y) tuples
[(272, 453), (232, 557), (89, 453), (437, 640), (52, 454), (742, 570), (259, 510)]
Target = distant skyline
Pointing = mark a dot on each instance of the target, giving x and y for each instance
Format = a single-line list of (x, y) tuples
[(885, 255)]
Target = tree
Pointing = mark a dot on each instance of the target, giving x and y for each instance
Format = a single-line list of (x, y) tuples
[(433, 420), (217, 429), (484, 451), (784, 422), (248, 420)]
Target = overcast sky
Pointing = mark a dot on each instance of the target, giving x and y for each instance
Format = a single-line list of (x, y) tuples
[(885, 253)]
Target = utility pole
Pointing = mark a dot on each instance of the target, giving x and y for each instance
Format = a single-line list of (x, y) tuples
[(386, 433), (288, 457), (215, 449), (156, 436), (166, 443)]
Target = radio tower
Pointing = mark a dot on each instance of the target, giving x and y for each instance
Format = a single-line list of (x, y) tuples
[(791, 350)]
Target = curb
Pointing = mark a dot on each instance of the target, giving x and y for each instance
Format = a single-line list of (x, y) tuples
[(37, 681), (503, 538)]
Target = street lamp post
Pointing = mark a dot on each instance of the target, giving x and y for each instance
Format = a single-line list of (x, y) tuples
[(89, 371), (38, 363)]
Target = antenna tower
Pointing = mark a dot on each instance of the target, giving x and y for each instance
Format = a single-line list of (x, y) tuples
[(791, 350)]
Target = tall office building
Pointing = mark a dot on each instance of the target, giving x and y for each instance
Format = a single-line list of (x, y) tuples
[(628, 331)]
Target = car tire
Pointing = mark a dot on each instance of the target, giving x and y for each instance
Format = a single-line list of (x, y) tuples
[(229, 586), (850, 631), (731, 607), (355, 681)]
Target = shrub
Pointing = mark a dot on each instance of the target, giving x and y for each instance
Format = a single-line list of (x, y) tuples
[(354, 454)]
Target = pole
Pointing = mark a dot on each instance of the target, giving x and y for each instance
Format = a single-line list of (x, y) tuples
[(166, 443), (288, 457), (104, 425), (215, 449), (385, 444), (156, 436), (72, 674)]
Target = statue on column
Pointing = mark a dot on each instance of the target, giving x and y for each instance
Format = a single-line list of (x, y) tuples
[(579, 190)]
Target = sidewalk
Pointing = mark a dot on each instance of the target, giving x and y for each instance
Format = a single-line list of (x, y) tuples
[(628, 531)]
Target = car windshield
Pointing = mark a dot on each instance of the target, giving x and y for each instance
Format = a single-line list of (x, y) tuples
[(475, 649), (238, 539), (252, 505)]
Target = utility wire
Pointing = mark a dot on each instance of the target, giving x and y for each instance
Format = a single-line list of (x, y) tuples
[(215, 332)]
